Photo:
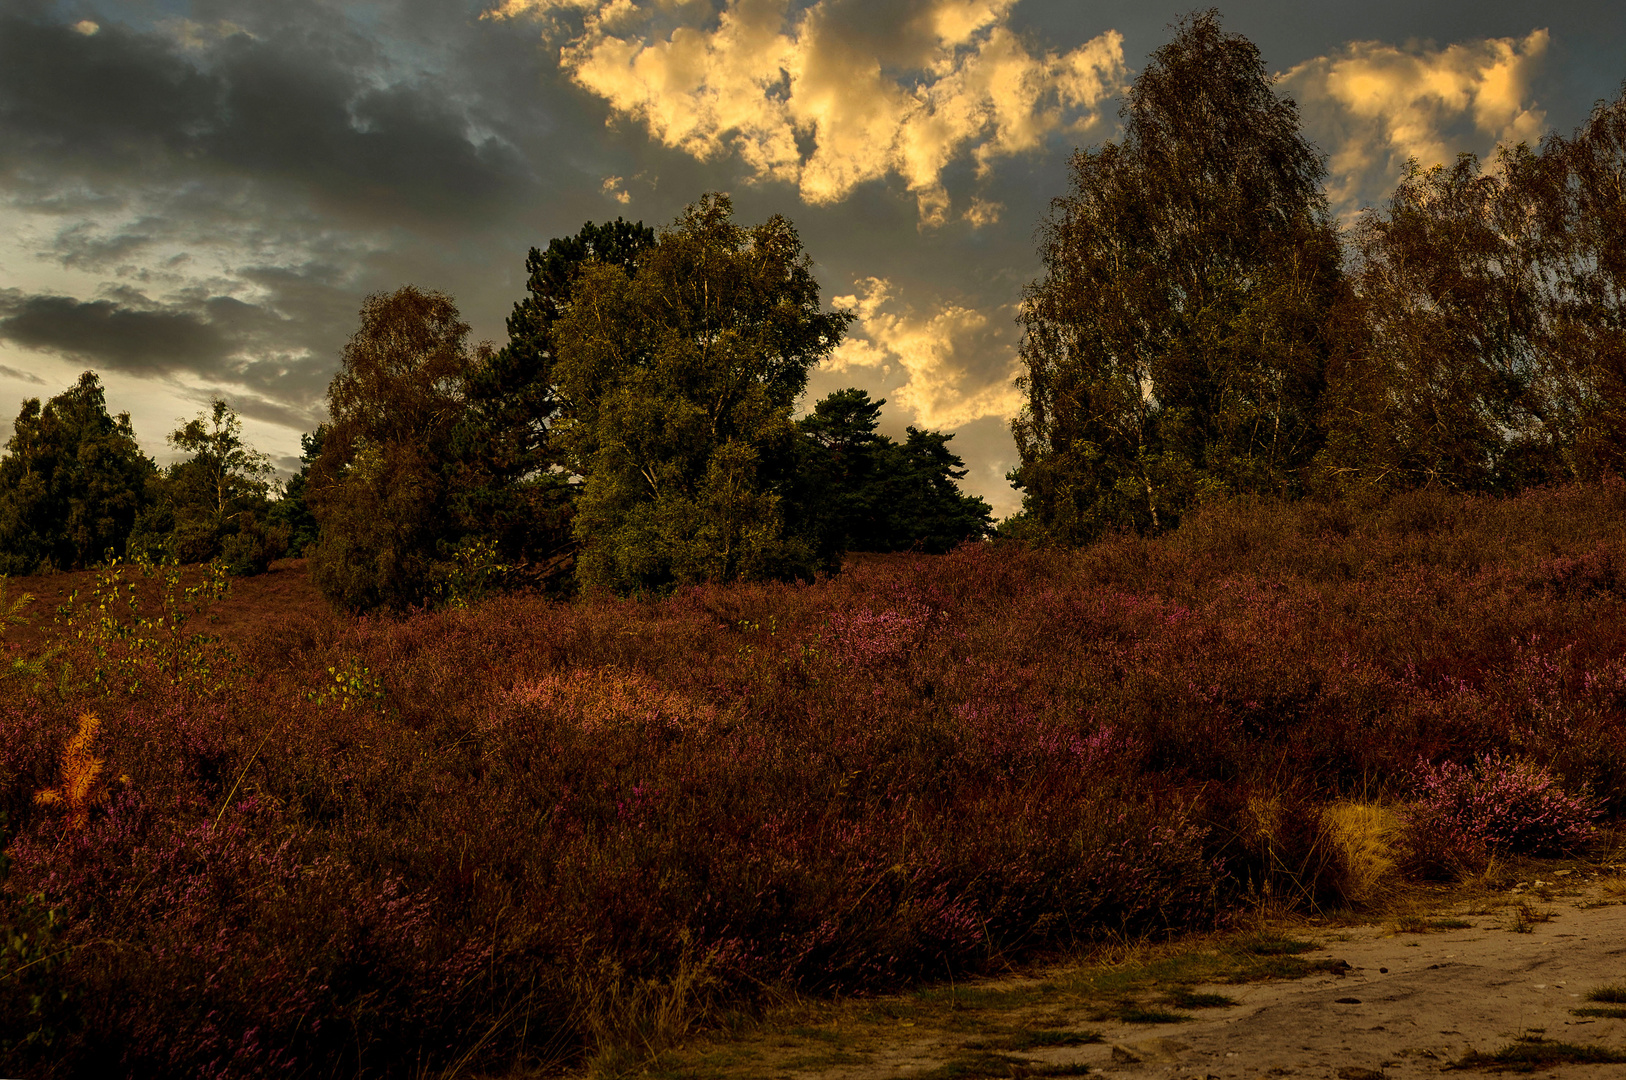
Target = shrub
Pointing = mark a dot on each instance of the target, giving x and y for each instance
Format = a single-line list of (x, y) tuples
[(1466, 812)]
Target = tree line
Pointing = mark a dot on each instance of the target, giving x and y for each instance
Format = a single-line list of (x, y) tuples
[(76, 489), (1204, 329), (634, 434)]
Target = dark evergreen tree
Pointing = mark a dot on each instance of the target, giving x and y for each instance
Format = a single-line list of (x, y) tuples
[(72, 483), (292, 511), (507, 474), (857, 490)]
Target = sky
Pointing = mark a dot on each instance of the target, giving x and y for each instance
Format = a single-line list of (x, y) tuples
[(196, 195)]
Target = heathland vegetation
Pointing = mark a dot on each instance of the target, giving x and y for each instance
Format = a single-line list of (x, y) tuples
[(580, 722), (300, 843)]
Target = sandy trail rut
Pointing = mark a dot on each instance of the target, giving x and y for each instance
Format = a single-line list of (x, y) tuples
[(1393, 1005), (1409, 1005)]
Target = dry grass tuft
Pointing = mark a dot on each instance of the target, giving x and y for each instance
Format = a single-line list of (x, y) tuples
[(1364, 836)]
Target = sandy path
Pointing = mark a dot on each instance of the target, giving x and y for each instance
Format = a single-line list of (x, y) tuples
[(1409, 1005)]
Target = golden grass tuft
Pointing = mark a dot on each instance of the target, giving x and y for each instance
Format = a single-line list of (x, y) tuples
[(606, 699), (1364, 837), (82, 786)]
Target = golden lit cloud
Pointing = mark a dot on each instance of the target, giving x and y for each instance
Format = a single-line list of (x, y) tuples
[(1374, 106), (612, 187), (958, 364), (808, 100)]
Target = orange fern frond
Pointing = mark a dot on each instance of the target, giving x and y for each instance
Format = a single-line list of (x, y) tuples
[(81, 775)]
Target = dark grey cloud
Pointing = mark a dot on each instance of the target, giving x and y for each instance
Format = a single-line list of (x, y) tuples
[(105, 333), (122, 108), (21, 376)]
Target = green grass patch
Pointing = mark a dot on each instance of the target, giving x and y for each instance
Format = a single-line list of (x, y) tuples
[(1191, 999), (1274, 945), (1416, 924), (981, 1066), (1023, 1039), (1528, 1055), (1135, 1014)]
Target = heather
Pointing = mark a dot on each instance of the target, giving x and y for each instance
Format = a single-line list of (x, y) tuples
[(528, 832)]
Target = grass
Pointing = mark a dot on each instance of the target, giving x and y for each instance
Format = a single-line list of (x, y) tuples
[(989, 1066), (1614, 994), (1617, 1013), (1525, 918), (1414, 924), (1532, 1053), (1029, 1039), (1191, 999)]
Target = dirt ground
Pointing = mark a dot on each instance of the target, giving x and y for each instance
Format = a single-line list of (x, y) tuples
[(1407, 996)]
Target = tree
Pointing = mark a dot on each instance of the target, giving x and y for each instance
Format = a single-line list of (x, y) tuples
[(508, 469), (917, 484), (1492, 311), (857, 490), (292, 511), (1176, 346), (72, 482), (381, 488), (677, 383)]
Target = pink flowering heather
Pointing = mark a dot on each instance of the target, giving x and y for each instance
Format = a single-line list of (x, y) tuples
[(1502, 804)]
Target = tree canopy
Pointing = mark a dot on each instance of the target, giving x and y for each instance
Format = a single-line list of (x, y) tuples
[(214, 503), (1176, 346), (676, 383), (858, 490), (72, 482), (381, 489)]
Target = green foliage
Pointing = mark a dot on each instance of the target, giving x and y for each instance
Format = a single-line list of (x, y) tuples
[(137, 629), (215, 503), (507, 473), (382, 487), (1175, 349), (353, 685), (72, 482), (292, 511), (677, 382), (856, 490)]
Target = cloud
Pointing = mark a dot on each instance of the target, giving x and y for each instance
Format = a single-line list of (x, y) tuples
[(111, 334), (1375, 106), (124, 112), (211, 338), (612, 187), (959, 364), (842, 93), (21, 376)]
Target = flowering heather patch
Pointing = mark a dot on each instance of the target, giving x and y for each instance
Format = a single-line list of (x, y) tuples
[(499, 834), (1464, 812)]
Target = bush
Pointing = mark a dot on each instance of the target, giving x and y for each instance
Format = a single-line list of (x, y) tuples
[(1465, 813)]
